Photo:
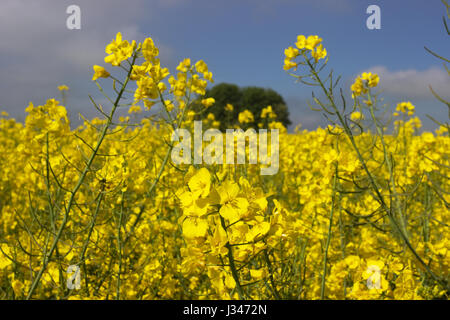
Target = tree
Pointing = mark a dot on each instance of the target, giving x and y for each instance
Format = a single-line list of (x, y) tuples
[(253, 99), (256, 98)]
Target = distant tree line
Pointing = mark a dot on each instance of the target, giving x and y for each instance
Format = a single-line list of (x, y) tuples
[(254, 99)]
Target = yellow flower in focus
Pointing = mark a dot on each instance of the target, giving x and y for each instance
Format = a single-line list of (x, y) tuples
[(208, 102), (184, 65), (319, 53), (219, 240), (208, 76), (291, 53), (372, 79), (201, 66), (288, 64), (194, 227), (119, 50), (258, 231), (301, 42), (312, 42), (149, 50), (357, 88), (363, 82), (233, 206), (192, 205), (200, 183), (99, 72)]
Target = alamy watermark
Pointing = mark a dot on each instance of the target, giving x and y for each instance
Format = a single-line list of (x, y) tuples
[(213, 153), (374, 20), (374, 280), (74, 280), (73, 21)]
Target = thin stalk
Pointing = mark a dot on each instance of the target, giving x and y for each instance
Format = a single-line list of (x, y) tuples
[(325, 257), (373, 184), (119, 250), (70, 203), (234, 272), (272, 282), (86, 242)]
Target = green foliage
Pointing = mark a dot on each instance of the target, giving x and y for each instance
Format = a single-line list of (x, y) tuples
[(253, 99)]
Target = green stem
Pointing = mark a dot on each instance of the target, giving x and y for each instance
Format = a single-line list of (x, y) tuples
[(272, 282), (325, 258), (371, 178), (119, 251), (86, 242), (70, 203), (234, 272)]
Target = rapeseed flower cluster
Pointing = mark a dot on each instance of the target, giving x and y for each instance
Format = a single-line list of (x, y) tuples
[(105, 198), (311, 44)]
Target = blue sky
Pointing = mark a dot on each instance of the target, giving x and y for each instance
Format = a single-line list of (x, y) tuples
[(241, 41)]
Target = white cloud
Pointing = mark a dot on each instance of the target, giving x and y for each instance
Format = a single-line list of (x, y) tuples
[(413, 84)]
